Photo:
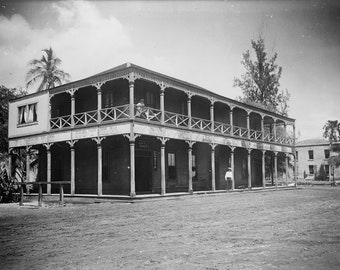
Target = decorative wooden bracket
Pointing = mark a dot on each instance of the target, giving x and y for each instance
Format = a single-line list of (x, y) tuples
[(232, 148), (48, 145), (189, 94), (131, 138), (191, 143), (163, 140), (162, 85), (248, 112), (212, 101), (98, 85), (98, 140), (72, 143), (131, 77), (213, 146), (72, 91)]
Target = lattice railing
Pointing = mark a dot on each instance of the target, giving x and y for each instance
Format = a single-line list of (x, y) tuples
[(115, 113), (269, 137), (60, 122), (255, 134), (85, 118), (201, 124), (280, 139), (222, 128), (149, 114), (240, 132), (175, 119)]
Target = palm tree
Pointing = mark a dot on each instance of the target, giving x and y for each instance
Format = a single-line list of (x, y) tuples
[(46, 71)]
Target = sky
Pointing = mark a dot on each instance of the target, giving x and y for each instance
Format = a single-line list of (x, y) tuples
[(200, 42)]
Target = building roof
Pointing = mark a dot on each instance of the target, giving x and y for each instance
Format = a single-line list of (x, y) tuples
[(124, 69), (313, 142)]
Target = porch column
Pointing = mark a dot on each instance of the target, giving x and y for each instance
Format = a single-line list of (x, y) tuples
[(212, 120), (131, 78), (285, 131), (161, 101), (189, 107), (249, 167), (274, 129), (98, 140), (9, 163), (262, 127), (286, 161), (163, 185), (294, 151), (28, 150), (248, 123), (49, 171), (232, 164), (263, 168), (73, 171), (132, 169), (275, 169), (231, 119), (213, 173), (73, 105), (191, 143), (99, 100)]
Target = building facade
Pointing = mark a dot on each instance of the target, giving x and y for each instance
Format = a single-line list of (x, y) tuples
[(94, 133), (312, 157)]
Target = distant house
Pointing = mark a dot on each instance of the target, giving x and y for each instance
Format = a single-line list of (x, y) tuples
[(313, 156)]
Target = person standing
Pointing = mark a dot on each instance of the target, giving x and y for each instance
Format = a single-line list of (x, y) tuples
[(229, 178)]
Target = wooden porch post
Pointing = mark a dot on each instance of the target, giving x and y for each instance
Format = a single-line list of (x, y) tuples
[(294, 151), (249, 167), (73, 165), (232, 164), (262, 127), (190, 143), (231, 119), (248, 123), (49, 171), (189, 106), (263, 168), (98, 140), (286, 161), (163, 185), (275, 168), (213, 173), (132, 169), (161, 101), (212, 118)]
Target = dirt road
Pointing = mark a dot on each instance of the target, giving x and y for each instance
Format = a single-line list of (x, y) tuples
[(295, 229)]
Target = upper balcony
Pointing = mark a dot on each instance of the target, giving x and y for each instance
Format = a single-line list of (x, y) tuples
[(111, 97), (170, 119)]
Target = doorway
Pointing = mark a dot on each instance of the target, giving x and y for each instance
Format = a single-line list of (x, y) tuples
[(143, 169)]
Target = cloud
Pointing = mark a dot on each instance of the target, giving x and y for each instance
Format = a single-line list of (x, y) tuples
[(85, 41)]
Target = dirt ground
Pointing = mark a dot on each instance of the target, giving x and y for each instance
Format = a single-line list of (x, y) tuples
[(286, 229)]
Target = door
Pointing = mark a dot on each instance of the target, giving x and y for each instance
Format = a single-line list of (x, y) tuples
[(143, 169)]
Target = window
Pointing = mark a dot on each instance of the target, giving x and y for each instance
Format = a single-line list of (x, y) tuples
[(311, 169), (27, 114), (172, 165), (108, 101), (150, 99), (326, 153), (297, 155), (194, 171), (327, 170), (310, 154)]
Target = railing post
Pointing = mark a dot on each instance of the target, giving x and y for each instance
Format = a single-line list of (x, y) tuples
[(40, 196), (61, 195), (21, 195)]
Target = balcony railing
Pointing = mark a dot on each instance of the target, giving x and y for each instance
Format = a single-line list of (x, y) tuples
[(148, 114)]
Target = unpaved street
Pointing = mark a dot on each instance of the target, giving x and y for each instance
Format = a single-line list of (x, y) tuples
[(287, 229)]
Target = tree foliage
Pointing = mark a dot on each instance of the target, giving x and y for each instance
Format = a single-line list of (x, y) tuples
[(331, 130), (46, 71), (260, 83), (6, 94)]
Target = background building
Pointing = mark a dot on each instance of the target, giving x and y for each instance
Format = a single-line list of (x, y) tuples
[(312, 157)]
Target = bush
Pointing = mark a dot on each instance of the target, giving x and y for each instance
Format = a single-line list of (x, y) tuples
[(8, 189)]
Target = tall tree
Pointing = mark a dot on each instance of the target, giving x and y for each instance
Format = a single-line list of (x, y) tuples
[(46, 71), (260, 83)]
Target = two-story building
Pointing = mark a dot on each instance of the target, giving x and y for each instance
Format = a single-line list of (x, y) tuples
[(312, 157), (92, 132)]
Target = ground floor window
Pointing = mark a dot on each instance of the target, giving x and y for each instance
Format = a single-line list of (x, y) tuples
[(311, 169), (172, 165)]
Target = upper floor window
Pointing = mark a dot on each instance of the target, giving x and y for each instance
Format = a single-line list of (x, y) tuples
[(150, 99), (27, 114), (326, 153), (310, 154)]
